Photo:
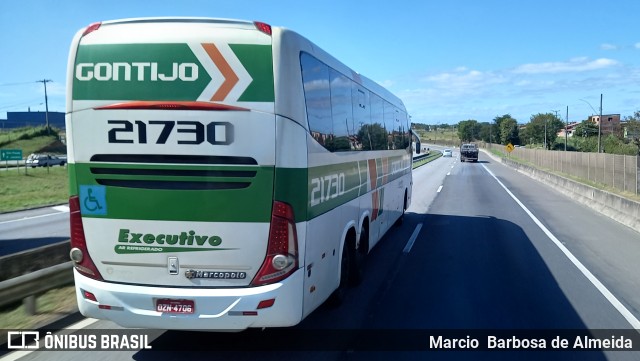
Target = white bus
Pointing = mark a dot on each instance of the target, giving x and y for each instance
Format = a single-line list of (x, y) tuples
[(224, 174)]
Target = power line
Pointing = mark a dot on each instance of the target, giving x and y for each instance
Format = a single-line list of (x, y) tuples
[(14, 84), (21, 104)]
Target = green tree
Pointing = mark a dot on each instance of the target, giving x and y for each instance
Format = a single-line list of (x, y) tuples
[(632, 129), (509, 132), (535, 129), (469, 130), (419, 126), (633, 124), (586, 129), (499, 129), (634, 117), (484, 133)]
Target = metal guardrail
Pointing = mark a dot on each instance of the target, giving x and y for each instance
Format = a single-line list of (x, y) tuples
[(31, 260), (27, 286), (426, 155), (420, 157)]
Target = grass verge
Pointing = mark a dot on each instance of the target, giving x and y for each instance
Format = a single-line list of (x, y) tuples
[(38, 187), (50, 306), (432, 156)]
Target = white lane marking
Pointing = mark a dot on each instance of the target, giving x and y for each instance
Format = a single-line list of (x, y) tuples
[(413, 238), (82, 324), (59, 209), (63, 209), (439, 189), (16, 355), (603, 290)]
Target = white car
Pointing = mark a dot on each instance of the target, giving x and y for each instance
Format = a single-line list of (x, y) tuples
[(44, 160), (447, 153)]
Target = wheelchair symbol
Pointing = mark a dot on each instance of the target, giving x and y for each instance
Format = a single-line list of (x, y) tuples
[(91, 203), (93, 200)]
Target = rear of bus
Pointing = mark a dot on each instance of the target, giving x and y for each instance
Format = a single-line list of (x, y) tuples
[(171, 136)]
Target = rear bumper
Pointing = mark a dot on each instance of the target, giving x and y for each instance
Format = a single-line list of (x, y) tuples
[(231, 309)]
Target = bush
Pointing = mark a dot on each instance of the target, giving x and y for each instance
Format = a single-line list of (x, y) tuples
[(613, 145), (610, 144)]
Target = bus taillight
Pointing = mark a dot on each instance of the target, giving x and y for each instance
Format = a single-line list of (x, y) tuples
[(265, 28), (282, 247), (91, 28), (79, 253)]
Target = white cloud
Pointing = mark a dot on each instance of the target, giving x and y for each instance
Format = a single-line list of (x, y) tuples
[(571, 66), (608, 46), (461, 80), (465, 93), (637, 45)]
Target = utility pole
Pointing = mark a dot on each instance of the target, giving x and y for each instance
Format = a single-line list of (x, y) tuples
[(566, 129), (545, 128), (600, 125), (46, 103)]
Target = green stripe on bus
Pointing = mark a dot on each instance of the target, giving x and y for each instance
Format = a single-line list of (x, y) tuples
[(311, 192), (250, 204), (290, 186), (333, 185)]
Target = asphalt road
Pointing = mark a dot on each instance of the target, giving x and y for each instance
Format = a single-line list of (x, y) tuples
[(495, 253), (24, 230)]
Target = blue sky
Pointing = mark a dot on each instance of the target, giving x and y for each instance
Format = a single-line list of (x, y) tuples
[(447, 60)]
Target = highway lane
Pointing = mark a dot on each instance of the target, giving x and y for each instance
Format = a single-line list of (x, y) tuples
[(480, 261), (607, 249), (24, 230), (483, 263)]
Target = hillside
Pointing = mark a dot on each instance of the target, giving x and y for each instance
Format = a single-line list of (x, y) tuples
[(33, 140)]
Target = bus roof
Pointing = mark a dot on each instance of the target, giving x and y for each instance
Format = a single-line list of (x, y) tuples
[(186, 19)]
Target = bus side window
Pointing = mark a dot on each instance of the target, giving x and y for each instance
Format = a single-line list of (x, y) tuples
[(341, 112), (315, 77)]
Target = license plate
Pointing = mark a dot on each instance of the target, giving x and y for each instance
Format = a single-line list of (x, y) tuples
[(166, 305)]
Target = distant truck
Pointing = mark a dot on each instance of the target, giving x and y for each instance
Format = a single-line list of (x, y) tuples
[(469, 152), (45, 160)]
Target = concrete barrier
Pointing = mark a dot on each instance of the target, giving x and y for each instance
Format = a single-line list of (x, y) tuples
[(618, 208), (31, 260)]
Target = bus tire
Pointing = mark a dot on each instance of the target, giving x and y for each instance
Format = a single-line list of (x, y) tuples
[(359, 258), (338, 296), (404, 209)]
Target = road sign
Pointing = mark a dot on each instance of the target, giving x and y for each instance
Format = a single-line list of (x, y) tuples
[(10, 154), (509, 147)]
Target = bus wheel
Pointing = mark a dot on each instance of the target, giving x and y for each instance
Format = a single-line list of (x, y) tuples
[(404, 209), (359, 258), (338, 296)]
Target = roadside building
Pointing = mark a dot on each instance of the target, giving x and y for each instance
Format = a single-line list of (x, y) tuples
[(32, 119), (610, 123), (569, 129)]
